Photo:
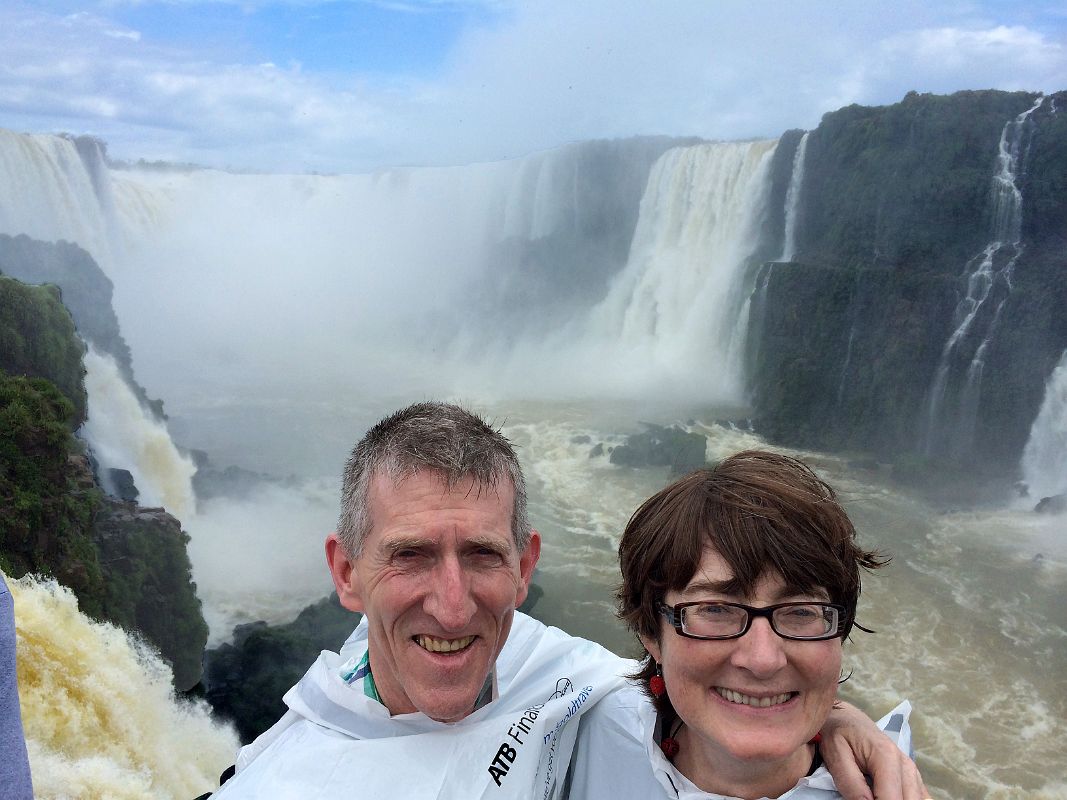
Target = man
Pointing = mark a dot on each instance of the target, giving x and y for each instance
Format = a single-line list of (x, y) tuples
[(444, 690)]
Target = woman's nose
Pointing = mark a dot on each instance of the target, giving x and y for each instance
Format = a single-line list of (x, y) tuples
[(760, 650)]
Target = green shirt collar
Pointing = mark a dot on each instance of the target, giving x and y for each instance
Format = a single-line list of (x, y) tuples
[(353, 671)]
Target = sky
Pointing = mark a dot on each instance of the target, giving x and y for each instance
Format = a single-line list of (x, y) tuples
[(360, 85)]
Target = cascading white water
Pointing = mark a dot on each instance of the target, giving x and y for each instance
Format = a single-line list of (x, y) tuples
[(124, 435), (99, 712), (792, 200), (48, 192), (55, 187), (676, 308), (990, 268), (1044, 461)]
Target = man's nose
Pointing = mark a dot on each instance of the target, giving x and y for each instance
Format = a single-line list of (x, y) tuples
[(760, 650), (448, 598)]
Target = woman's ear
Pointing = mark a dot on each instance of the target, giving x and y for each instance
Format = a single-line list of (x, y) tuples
[(652, 646)]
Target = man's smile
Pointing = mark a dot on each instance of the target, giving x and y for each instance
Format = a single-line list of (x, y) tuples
[(435, 645)]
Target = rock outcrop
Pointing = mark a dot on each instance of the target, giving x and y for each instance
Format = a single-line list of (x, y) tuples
[(244, 680)]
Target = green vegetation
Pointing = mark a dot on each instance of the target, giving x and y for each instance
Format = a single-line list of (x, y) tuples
[(37, 339), (46, 506), (149, 586)]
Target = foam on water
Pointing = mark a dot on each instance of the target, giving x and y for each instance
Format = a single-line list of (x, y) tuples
[(100, 716)]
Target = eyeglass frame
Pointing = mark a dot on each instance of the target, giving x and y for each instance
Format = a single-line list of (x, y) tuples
[(673, 614)]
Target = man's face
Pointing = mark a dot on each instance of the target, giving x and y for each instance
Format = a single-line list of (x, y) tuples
[(439, 578)]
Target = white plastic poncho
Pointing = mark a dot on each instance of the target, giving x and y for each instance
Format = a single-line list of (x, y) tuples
[(335, 742), (618, 759)]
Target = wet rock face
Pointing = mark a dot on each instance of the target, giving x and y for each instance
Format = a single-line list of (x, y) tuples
[(662, 447), (1057, 504), (244, 680), (847, 340), (122, 484)]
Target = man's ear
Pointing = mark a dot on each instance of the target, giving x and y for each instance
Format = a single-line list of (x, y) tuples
[(345, 577), (527, 562)]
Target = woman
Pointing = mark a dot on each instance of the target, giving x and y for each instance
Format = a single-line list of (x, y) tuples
[(741, 583)]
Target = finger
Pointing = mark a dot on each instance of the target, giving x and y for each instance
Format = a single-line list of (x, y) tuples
[(914, 788), (887, 765), (840, 760)]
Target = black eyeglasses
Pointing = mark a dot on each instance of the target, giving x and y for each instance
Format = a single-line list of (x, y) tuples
[(806, 622)]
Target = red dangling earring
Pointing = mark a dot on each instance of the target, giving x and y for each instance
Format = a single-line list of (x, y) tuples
[(656, 684), (670, 747)]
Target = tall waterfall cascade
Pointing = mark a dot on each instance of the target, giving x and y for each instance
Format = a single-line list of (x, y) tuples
[(792, 200), (55, 187), (952, 401), (678, 306), (1044, 460), (124, 435)]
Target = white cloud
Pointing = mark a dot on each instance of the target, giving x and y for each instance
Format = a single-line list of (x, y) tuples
[(538, 76)]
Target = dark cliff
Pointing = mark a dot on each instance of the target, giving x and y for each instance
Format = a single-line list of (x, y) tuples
[(87, 294), (885, 333)]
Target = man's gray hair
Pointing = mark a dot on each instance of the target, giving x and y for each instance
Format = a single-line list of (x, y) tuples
[(446, 439)]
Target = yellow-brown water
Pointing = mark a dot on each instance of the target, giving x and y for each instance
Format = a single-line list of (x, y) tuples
[(100, 717)]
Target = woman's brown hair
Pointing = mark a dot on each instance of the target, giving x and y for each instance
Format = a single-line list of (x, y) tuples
[(762, 513)]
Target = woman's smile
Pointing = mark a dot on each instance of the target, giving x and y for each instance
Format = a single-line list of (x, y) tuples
[(754, 700)]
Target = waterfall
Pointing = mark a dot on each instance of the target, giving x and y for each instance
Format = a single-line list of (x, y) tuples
[(124, 435), (677, 306), (792, 200), (951, 409), (1044, 460), (54, 187), (98, 710)]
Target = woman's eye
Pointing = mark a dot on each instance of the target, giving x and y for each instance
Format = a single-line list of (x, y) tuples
[(713, 610)]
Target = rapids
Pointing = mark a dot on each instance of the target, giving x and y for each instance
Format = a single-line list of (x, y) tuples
[(99, 713)]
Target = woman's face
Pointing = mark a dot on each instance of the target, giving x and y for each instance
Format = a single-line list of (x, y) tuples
[(719, 687)]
